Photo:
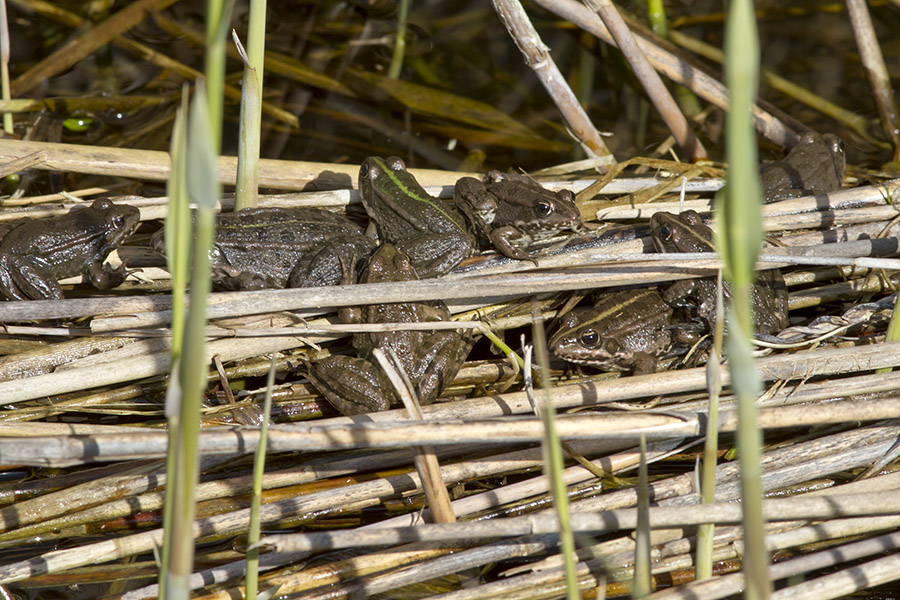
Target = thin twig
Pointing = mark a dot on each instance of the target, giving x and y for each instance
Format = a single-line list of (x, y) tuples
[(538, 59), (649, 78)]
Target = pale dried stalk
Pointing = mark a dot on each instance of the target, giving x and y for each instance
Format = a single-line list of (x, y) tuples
[(876, 71), (154, 165), (425, 458), (674, 68), (538, 59), (732, 583), (821, 507), (653, 85)]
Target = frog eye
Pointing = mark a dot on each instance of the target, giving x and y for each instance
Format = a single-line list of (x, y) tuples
[(364, 169), (544, 208), (665, 230), (118, 221), (590, 338)]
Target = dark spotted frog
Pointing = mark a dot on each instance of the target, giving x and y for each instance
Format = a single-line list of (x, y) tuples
[(279, 247), (35, 253), (688, 233), (626, 330), (511, 212), (814, 166), (430, 231), (431, 359)]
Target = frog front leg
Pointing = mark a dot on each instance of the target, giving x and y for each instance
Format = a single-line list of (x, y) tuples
[(479, 206), (21, 279), (354, 386), (504, 238), (336, 263), (105, 277), (433, 254)]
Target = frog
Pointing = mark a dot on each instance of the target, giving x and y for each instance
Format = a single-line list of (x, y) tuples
[(688, 233), (625, 330), (278, 247), (510, 211), (36, 253), (430, 231), (357, 384), (814, 166)]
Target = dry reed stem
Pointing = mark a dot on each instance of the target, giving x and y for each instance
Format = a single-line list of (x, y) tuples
[(537, 57), (876, 71), (70, 53), (155, 57), (653, 85), (674, 68), (821, 507), (154, 165)]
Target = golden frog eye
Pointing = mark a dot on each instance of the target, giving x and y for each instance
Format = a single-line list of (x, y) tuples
[(364, 170), (590, 338), (544, 208), (118, 221)]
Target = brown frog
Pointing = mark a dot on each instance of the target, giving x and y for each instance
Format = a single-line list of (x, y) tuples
[(626, 330), (814, 166), (279, 247), (688, 233), (431, 359), (511, 211), (35, 253)]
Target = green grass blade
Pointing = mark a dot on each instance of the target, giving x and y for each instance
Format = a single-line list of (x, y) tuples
[(203, 190), (553, 465), (259, 467), (641, 587), (740, 234), (251, 107)]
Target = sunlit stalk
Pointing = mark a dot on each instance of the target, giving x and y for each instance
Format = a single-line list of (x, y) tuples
[(203, 190), (218, 14), (4, 65), (259, 467), (178, 252), (399, 40), (251, 107), (740, 236), (641, 587), (706, 532), (553, 464)]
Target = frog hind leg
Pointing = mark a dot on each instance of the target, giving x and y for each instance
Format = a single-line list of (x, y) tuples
[(338, 262), (352, 385), (442, 358), (22, 280), (434, 254)]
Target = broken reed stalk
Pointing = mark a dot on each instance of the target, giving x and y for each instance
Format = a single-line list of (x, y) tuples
[(537, 57), (876, 71), (674, 68), (653, 85)]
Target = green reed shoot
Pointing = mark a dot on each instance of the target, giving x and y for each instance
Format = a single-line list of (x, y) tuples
[(553, 464), (740, 234), (399, 41), (178, 252), (218, 15), (251, 107), (706, 532), (204, 191)]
